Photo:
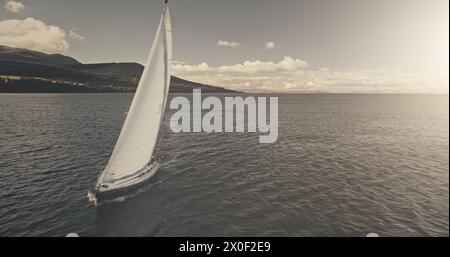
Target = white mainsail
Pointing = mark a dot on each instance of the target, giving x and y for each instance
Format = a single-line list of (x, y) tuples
[(138, 138)]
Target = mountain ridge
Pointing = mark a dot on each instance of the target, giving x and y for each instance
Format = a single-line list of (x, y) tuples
[(29, 71), (23, 54)]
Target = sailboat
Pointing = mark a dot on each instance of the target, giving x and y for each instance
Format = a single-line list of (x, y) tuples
[(132, 162)]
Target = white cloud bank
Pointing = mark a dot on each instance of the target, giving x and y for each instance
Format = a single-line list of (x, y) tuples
[(36, 35), (269, 45), (296, 75), (14, 6), (74, 35), (224, 43)]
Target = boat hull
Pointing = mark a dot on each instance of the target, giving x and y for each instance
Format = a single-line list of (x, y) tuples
[(136, 184)]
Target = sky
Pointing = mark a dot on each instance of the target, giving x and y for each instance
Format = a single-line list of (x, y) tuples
[(342, 46)]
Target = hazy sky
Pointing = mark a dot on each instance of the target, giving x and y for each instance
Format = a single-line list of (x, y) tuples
[(254, 45)]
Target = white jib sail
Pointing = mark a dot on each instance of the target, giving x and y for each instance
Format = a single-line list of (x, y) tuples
[(138, 137)]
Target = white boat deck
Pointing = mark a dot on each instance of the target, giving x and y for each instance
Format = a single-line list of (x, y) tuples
[(139, 177)]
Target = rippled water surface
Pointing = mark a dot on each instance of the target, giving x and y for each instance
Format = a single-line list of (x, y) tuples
[(344, 165)]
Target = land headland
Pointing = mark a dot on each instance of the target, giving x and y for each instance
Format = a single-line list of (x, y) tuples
[(28, 71)]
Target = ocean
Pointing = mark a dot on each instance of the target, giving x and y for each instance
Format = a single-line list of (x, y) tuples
[(343, 165)]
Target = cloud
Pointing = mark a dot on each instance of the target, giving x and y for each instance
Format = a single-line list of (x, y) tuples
[(252, 67), (269, 45), (296, 75), (223, 43), (33, 34), (14, 6), (248, 67), (74, 35)]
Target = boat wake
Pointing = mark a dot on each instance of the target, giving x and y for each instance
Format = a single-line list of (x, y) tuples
[(91, 198)]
